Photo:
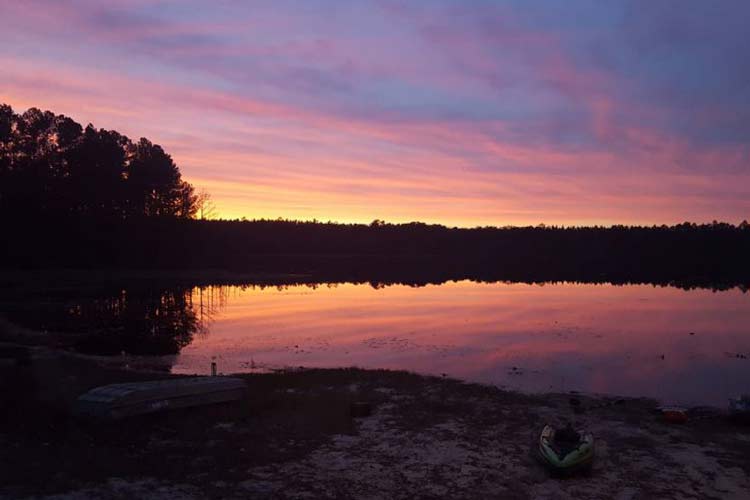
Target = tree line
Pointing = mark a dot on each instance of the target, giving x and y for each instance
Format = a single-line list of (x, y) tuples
[(687, 255), (75, 197), (51, 165)]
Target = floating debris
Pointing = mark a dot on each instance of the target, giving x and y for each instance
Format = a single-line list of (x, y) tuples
[(514, 370)]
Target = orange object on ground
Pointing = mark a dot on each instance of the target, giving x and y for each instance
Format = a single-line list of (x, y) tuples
[(674, 415)]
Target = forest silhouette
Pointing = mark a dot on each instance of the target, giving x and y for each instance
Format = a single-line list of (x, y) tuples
[(86, 198), (52, 166)]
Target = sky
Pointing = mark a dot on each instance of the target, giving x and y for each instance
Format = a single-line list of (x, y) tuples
[(463, 113)]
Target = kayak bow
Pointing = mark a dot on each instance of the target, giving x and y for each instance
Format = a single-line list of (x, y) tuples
[(563, 454)]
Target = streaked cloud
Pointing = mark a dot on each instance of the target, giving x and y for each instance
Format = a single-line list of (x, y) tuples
[(462, 113)]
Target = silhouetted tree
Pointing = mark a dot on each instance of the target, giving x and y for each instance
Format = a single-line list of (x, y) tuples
[(96, 170), (49, 164), (205, 205), (188, 204), (154, 181), (7, 119)]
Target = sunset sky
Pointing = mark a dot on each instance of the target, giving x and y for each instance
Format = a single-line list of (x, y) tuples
[(457, 112)]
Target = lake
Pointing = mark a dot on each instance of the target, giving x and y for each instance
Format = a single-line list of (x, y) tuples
[(679, 346)]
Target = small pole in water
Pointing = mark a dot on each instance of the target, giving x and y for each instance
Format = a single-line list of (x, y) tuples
[(213, 368)]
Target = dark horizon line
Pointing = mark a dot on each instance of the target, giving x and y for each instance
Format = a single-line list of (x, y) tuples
[(219, 277), (744, 224)]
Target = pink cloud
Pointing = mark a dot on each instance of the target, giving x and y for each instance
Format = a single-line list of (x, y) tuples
[(264, 155)]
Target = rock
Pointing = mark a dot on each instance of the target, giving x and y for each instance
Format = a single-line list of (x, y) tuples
[(360, 409)]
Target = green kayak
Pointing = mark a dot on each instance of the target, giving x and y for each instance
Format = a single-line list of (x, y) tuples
[(566, 450)]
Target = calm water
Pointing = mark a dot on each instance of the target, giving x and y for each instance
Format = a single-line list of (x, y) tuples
[(560, 337)]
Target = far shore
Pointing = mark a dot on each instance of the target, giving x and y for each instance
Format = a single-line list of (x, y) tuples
[(293, 436), (53, 278)]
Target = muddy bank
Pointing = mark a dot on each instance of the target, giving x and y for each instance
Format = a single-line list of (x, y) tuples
[(293, 437)]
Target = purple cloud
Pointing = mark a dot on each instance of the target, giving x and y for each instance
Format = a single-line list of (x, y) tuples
[(584, 99)]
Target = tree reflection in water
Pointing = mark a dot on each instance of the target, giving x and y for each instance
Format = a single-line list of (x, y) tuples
[(138, 321)]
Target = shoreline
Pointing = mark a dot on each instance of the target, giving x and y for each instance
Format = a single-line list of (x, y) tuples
[(52, 278), (293, 436), (146, 364), (159, 366)]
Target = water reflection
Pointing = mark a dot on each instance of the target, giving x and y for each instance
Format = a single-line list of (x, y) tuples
[(594, 338), (142, 320), (672, 344)]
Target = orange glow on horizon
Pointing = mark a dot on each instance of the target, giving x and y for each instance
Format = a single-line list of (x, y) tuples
[(250, 162)]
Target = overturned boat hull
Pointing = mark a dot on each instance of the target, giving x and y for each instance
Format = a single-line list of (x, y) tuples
[(138, 398)]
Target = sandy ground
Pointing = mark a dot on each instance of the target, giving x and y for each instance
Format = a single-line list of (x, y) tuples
[(293, 437)]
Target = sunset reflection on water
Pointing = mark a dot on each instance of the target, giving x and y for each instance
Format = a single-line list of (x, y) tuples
[(553, 337)]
